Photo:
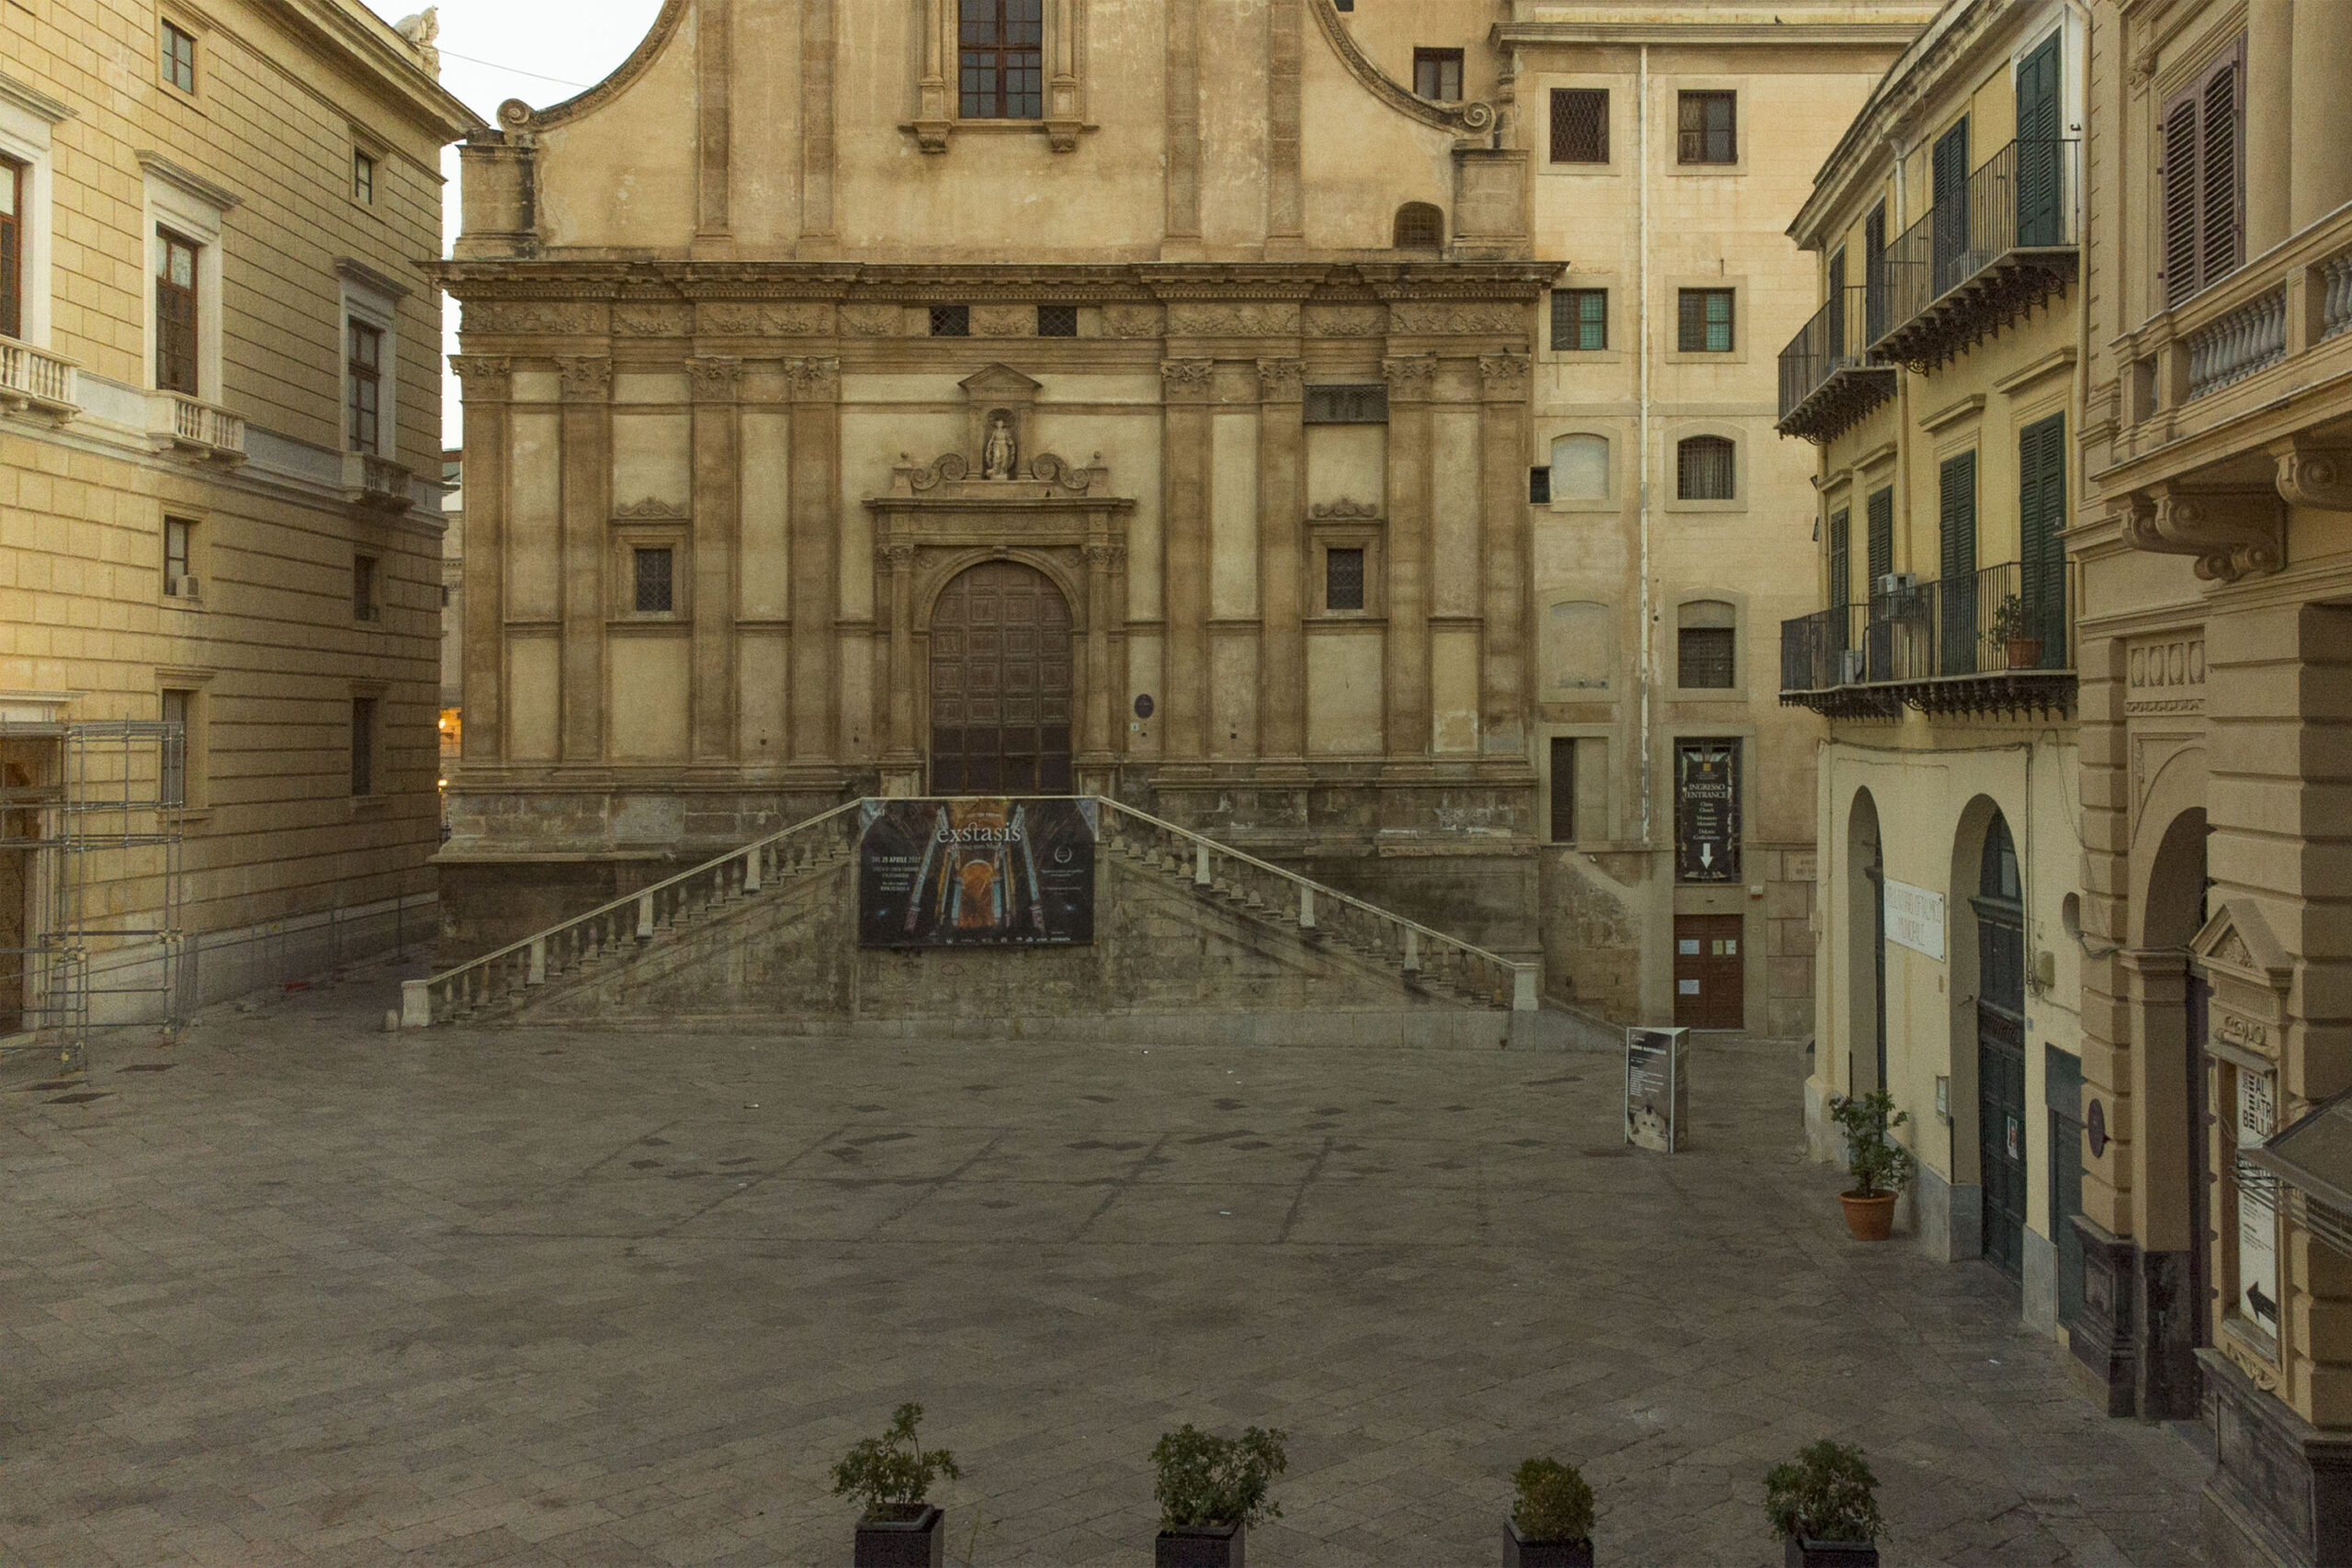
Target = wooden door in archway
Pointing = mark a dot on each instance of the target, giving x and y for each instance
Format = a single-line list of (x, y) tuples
[(1000, 683)]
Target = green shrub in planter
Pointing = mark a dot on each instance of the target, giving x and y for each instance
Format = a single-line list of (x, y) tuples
[(891, 1476), (1551, 1524), (1826, 1504), (1207, 1481)]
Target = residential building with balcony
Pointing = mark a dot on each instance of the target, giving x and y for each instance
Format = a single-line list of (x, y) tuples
[(220, 513), (2214, 543), (1937, 381)]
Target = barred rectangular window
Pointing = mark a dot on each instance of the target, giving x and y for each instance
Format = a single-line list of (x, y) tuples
[(1708, 128), (1002, 58), (1365, 403), (1703, 323), (951, 320), (1343, 579), (1705, 470), (654, 585), (1704, 656), (1579, 125), (1579, 319), (1056, 321)]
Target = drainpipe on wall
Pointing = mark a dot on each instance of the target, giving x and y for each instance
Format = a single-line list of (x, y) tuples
[(1642, 676)]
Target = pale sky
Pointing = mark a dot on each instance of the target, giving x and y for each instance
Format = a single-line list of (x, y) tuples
[(540, 51)]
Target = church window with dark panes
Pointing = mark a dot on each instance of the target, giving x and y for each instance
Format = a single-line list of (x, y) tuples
[(176, 329), (1437, 74), (1579, 125), (1056, 321), (1003, 43), (951, 320), (655, 590), (1708, 128), (1344, 578), (12, 248), (1564, 789)]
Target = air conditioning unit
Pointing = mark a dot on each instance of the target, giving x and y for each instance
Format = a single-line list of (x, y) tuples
[(181, 588), (369, 612), (1854, 666), (1897, 583)]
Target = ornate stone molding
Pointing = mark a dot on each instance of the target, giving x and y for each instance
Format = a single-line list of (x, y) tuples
[(2233, 533), (1441, 317), (2316, 477), (531, 316), (949, 466), (1503, 375), (1343, 509), (516, 115), (1188, 380), (651, 320), (1345, 320), (2166, 676), (871, 320), (717, 378), (1409, 376), (816, 380), (1242, 319), (585, 375), (1461, 119), (484, 373), (731, 319), (1004, 321), (648, 509), (1279, 380), (1131, 321)]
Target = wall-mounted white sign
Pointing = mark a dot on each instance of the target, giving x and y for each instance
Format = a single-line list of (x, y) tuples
[(1914, 918)]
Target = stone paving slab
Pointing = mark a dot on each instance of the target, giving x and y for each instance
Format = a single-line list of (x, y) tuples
[(324, 1295)]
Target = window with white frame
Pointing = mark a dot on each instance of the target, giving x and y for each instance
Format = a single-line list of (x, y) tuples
[(370, 359), (26, 117), (185, 223)]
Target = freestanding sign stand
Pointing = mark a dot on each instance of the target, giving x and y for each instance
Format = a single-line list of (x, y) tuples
[(1657, 1086)]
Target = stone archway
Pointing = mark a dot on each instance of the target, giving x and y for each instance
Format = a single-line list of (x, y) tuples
[(1000, 683)]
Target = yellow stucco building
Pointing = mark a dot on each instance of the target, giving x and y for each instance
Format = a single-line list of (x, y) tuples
[(219, 403)]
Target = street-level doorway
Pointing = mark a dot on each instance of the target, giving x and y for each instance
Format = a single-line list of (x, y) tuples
[(1000, 683), (2000, 1048), (1709, 990)]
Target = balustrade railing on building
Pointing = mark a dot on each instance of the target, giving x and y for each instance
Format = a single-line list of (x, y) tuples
[(37, 378), (2019, 199), (2250, 338), (1835, 339), (2004, 619)]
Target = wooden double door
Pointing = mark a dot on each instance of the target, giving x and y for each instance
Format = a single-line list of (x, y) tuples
[(1710, 986), (1000, 701)]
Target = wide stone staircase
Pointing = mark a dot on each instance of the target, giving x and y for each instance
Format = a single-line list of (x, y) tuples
[(1187, 928)]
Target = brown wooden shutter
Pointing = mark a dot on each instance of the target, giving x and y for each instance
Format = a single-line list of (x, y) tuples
[(2223, 216), (2203, 175), (2179, 177)]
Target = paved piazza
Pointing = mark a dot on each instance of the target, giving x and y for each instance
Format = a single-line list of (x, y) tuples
[(319, 1294)]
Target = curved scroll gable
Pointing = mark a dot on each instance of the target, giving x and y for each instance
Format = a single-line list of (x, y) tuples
[(515, 115), (1464, 119)]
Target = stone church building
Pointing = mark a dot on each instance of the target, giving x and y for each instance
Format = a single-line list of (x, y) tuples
[(1159, 398)]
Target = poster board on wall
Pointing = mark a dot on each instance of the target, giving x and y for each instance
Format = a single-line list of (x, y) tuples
[(1657, 1086), (963, 872)]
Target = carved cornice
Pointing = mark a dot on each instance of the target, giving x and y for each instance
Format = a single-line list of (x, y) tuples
[(2233, 533), (585, 375), (515, 115), (1461, 118), (2316, 477)]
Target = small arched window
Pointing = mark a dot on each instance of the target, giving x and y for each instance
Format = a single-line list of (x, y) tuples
[(1580, 467), (1420, 227), (1705, 470)]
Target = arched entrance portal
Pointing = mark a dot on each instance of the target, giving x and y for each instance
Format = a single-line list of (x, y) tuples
[(1999, 905), (1866, 946), (1000, 683)]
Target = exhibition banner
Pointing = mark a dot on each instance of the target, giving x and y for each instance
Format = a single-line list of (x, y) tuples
[(975, 872)]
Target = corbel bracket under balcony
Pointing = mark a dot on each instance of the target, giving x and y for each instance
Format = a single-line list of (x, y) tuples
[(2234, 532), (2316, 477)]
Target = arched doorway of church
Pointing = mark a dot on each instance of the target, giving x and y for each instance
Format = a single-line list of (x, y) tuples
[(1000, 683), (1999, 908)]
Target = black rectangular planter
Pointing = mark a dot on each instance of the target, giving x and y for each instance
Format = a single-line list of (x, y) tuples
[(918, 1542), (1202, 1546), (1519, 1551), (1832, 1553)]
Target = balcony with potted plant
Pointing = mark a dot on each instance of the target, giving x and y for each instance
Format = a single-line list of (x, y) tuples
[(1995, 642)]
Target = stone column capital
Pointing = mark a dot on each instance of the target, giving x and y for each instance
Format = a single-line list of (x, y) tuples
[(816, 379), (1281, 380), (1188, 380), (716, 378), (1410, 376), (586, 377)]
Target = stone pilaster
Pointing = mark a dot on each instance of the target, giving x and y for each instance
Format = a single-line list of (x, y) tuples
[(1185, 455), (718, 516), (484, 634), (1504, 679), (1411, 383), (2269, 68), (815, 557), (1285, 207), (1183, 131), (817, 66), (587, 425), (1282, 509), (2322, 124), (902, 753), (714, 44)]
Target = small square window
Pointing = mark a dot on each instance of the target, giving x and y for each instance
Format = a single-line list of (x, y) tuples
[(1708, 128), (1056, 321), (1705, 656), (655, 582), (363, 178), (363, 588), (951, 320), (1703, 323), (1437, 74), (1344, 578), (1579, 125), (179, 58), (1579, 319)]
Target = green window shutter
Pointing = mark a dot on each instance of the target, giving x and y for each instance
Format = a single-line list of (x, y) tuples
[(2041, 520), (1952, 206), (1690, 327), (1841, 585), (2040, 193), (1882, 537), (1957, 629)]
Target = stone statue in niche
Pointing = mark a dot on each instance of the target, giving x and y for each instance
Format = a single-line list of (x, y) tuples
[(998, 454)]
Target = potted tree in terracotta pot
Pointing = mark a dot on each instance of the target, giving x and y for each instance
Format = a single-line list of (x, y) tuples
[(1824, 1507), (891, 1476), (1210, 1490), (2013, 629), (1551, 1524), (1882, 1166)]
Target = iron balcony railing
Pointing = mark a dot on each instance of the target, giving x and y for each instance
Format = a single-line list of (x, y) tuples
[(1834, 340), (2021, 200), (2007, 619)]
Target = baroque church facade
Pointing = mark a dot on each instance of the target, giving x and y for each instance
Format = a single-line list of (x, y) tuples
[(1148, 398)]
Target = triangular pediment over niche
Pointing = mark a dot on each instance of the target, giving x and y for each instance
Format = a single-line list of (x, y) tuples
[(997, 381), (2238, 943)]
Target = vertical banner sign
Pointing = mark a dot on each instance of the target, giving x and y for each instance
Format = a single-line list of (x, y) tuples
[(2257, 1222), (1657, 1086), (1706, 810), (974, 873)]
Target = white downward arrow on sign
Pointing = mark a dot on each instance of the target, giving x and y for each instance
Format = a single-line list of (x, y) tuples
[(1707, 856)]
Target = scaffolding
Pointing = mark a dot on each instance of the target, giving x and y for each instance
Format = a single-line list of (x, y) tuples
[(92, 934)]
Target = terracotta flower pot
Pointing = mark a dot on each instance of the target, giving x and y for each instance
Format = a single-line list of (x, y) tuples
[(2025, 652), (1870, 1219)]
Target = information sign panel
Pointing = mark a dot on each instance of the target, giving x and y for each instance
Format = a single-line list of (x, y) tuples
[(1706, 810), (976, 873), (1915, 919), (1657, 1086)]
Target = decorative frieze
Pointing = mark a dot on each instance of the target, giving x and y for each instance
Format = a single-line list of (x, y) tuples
[(2166, 676), (648, 509), (1131, 321), (585, 375), (1345, 320), (1450, 318), (534, 317), (871, 320), (652, 320), (1004, 321), (1239, 319), (785, 318), (1343, 509)]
